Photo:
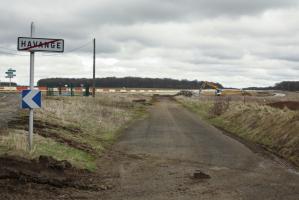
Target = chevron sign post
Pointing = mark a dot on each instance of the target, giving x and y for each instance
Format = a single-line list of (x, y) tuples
[(31, 99)]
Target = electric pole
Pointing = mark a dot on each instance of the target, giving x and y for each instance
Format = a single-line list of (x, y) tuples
[(94, 69)]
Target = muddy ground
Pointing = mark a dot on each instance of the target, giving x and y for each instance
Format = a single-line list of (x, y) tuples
[(171, 154), (292, 105)]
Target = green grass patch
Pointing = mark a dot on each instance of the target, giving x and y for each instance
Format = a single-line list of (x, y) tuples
[(79, 158), (15, 143)]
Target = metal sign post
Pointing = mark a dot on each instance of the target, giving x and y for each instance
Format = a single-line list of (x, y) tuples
[(31, 82), (10, 74), (32, 98)]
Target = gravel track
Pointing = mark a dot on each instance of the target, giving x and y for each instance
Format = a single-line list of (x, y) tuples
[(157, 156)]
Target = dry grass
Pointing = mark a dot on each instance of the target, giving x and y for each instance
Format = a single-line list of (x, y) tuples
[(276, 129), (201, 106), (78, 128), (15, 140), (99, 119)]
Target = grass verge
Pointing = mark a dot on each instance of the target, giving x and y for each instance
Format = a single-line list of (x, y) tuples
[(273, 128), (76, 129)]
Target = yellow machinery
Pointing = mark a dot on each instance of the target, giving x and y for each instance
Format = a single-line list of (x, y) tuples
[(218, 91)]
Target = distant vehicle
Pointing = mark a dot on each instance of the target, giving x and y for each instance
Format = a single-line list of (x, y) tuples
[(218, 92)]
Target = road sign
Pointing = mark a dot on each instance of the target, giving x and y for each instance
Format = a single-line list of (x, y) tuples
[(31, 99), (40, 44)]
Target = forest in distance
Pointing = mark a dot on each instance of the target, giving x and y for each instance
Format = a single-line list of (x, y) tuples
[(137, 82), (284, 85), (126, 82)]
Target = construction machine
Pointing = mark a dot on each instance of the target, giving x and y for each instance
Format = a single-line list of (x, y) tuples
[(218, 91)]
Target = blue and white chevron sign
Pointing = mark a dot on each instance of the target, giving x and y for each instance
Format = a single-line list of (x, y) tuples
[(31, 99)]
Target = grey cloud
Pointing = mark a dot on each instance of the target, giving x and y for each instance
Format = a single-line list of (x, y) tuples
[(237, 42), (292, 58), (107, 47), (140, 11), (284, 53), (224, 54), (236, 7)]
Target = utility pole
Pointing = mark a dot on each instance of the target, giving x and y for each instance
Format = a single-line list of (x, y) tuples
[(31, 82), (94, 69)]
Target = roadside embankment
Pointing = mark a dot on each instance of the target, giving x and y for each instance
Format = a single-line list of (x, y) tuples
[(275, 129), (76, 129)]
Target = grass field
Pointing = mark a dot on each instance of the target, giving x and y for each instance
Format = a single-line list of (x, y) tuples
[(76, 129), (274, 128)]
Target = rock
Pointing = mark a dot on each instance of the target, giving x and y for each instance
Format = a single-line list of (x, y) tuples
[(109, 187), (103, 187), (200, 175), (50, 162), (139, 100)]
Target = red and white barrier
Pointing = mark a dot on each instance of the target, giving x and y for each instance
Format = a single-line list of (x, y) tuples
[(98, 90)]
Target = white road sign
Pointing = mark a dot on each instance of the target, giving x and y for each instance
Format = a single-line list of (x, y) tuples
[(40, 44)]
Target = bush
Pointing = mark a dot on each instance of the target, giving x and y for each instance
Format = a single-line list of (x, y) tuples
[(221, 104)]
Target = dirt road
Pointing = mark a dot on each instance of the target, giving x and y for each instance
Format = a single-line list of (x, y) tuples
[(163, 151), (156, 158), (8, 108)]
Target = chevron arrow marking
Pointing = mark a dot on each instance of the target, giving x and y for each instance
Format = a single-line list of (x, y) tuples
[(31, 99)]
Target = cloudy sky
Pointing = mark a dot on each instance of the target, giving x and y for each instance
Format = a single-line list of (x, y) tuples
[(238, 43)]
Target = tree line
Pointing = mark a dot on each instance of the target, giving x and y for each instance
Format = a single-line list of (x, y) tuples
[(6, 84), (126, 82), (284, 85)]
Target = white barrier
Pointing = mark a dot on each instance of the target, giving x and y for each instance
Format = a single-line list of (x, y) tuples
[(8, 88), (111, 90)]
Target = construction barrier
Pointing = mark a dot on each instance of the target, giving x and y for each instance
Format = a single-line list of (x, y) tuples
[(98, 90)]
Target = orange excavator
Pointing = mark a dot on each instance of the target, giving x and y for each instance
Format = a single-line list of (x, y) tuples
[(218, 91)]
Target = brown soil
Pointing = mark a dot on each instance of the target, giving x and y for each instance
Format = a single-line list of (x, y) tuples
[(21, 178), (292, 105)]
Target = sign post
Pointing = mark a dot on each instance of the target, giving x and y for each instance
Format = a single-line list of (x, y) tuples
[(31, 81), (32, 98), (10, 74)]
